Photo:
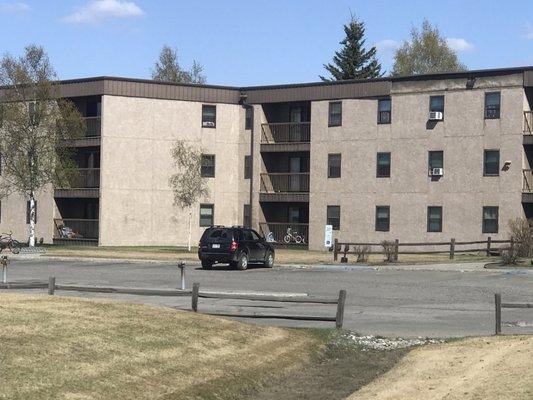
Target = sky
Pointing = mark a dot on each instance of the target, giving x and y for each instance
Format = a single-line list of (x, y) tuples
[(254, 42)]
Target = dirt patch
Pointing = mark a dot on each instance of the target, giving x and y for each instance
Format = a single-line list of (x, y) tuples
[(493, 368)]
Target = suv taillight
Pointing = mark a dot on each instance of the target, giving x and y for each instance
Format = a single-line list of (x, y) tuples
[(234, 245)]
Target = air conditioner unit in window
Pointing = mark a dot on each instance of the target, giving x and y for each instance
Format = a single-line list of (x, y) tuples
[(437, 171), (436, 116), (208, 124)]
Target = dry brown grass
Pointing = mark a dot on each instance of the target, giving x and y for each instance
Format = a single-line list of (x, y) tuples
[(283, 256), (495, 368), (65, 348)]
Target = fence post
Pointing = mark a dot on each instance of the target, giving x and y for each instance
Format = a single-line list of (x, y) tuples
[(396, 249), (335, 249), (511, 246), (194, 300), (498, 307), (51, 285), (339, 318), (489, 240), (452, 248)]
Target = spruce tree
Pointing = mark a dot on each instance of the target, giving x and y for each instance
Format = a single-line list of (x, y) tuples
[(353, 61)]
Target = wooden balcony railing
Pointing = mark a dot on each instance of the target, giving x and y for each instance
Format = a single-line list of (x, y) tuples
[(94, 126), (76, 228), (527, 185), (88, 178), (285, 232), (285, 183), (286, 132)]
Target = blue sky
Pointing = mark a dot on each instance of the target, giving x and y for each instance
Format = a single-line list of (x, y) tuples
[(256, 41)]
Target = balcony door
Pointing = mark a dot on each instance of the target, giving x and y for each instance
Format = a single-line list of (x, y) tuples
[(297, 115), (295, 167)]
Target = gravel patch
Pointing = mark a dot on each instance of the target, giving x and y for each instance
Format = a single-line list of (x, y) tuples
[(381, 343)]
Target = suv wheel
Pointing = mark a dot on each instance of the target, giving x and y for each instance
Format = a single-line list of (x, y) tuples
[(269, 260), (206, 264), (242, 263)]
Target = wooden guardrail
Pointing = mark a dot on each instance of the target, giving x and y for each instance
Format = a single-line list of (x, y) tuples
[(450, 247), (195, 294), (498, 305), (339, 301)]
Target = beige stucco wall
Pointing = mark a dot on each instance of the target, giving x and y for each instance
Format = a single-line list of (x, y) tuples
[(136, 203), (463, 190), (13, 217)]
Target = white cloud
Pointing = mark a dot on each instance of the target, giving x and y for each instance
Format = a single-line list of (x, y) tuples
[(387, 45), (96, 11), (459, 44), (14, 8)]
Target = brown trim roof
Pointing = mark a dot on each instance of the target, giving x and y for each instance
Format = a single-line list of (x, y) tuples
[(117, 86)]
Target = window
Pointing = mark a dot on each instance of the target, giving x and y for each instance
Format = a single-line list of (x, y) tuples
[(247, 167), (334, 165), (383, 165), (384, 111), (207, 212), (492, 105), (209, 116), (490, 219), (247, 215), (248, 118), (435, 159), (335, 114), (208, 166), (434, 219), (382, 218), (436, 103), (28, 211), (491, 162), (334, 217)]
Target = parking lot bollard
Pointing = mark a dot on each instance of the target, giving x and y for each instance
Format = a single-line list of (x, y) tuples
[(4, 261), (181, 266)]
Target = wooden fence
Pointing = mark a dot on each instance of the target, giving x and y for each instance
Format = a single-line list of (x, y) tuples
[(452, 247), (339, 301), (195, 294), (498, 305)]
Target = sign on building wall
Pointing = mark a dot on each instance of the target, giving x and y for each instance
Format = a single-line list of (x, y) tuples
[(328, 236)]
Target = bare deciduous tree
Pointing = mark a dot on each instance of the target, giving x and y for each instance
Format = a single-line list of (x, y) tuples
[(168, 69), (34, 123), (187, 183)]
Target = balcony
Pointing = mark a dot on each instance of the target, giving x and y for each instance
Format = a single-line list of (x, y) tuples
[(79, 231), (288, 187), (289, 136), (528, 127), (286, 233), (92, 134), (85, 185), (527, 186)]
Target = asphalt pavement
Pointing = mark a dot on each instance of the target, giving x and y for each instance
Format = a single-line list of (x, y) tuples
[(405, 302)]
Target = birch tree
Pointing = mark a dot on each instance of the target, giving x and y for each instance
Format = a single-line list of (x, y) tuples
[(35, 122), (187, 184), (168, 69)]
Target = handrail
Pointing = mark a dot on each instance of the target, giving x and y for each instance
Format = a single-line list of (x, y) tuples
[(527, 184), (286, 132), (285, 182), (528, 122)]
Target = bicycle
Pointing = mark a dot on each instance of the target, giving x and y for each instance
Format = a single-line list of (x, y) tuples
[(7, 242), (293, 236)]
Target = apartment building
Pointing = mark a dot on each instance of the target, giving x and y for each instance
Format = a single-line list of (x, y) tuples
[(422, 158)]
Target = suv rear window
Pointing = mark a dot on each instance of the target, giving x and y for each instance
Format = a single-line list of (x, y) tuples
[(216, 233)]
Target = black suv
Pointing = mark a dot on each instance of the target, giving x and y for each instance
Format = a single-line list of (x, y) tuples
[(237, 246)]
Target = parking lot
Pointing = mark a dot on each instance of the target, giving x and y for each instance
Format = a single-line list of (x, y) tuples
[(384, 301)]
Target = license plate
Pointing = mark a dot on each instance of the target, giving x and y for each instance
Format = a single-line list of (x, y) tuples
[(215, 246)]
